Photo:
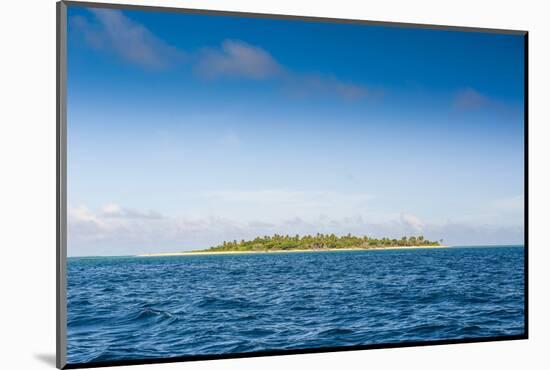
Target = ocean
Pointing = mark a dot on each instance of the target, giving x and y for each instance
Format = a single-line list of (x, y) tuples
[(122, 308)]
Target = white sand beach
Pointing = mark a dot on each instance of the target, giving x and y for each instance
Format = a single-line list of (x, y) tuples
[(197, 253)]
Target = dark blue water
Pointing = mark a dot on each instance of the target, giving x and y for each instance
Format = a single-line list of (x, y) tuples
[(138, 308)]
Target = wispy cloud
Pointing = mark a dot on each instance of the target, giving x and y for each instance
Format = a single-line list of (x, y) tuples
[(230, 140), (412, 221), (112, 31), (308, 85), (470, 99), (238, 59), (114, 210), (286, 200), (112, 230)]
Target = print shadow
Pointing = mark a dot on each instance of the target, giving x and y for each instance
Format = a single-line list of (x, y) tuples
[(46, 358)]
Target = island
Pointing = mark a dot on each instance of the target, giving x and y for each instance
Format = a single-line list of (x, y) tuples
[(310, 243)]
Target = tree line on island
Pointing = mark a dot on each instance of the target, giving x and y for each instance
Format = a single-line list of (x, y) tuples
[(319, 242)]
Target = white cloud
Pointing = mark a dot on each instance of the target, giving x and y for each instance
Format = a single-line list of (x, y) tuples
[(114, 210), (116, 230), (297, 197), (229, 140), (469, 99), (113, 31), (307, 85), (412, 221), (238, 59), (282, 203), (126, 231)]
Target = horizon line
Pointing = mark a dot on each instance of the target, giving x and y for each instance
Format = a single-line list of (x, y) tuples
[(183, 251)]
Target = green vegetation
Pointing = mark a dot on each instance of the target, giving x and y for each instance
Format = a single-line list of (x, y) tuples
[(318, 242)]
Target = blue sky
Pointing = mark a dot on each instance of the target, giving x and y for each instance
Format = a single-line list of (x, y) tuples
[(187, 130)]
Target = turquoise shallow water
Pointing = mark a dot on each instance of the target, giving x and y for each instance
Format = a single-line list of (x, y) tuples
[(122, 308)]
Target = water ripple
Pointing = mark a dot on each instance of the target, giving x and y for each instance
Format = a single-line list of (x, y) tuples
[(139, 308)]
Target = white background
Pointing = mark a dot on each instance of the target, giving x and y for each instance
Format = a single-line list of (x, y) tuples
[(27, 185)]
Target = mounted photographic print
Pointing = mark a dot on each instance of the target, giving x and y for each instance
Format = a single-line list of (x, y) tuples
[(234, 184)]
